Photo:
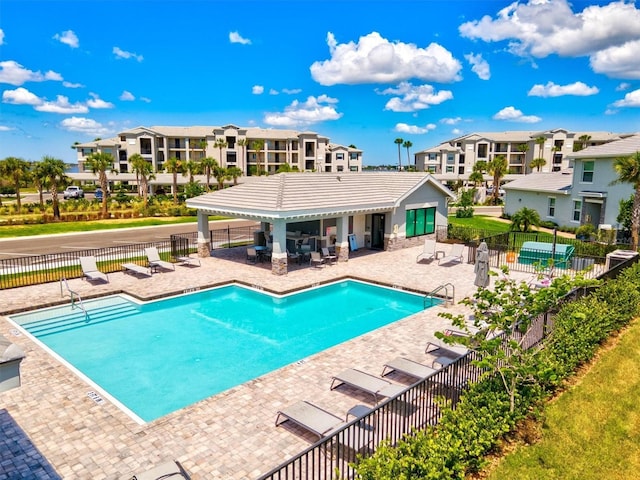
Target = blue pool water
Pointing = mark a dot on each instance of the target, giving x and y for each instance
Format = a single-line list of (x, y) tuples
[(157, 357)]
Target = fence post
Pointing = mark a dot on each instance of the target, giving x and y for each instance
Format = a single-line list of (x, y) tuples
[(228, 236)]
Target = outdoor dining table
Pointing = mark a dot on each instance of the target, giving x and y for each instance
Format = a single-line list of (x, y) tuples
[(261, 251)]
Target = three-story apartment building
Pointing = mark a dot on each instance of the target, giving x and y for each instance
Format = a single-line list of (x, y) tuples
[(455, 158), (249, 149)]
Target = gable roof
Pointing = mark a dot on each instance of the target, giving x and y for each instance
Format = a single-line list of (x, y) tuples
[(305, 195), (617, 148), (555, 182)]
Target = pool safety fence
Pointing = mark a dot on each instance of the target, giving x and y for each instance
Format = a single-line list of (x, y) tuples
[(33, 270), (417, 407)]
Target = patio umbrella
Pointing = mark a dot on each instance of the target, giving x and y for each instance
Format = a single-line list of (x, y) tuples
[(482, 266)]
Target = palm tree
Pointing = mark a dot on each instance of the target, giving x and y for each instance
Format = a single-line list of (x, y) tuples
[(243, 145), (497, 167), (628, 170), (583, 139), (537, 163), (144, 172), (39, 179), (540, 142), (54, 170), (221, 175), (524, 219), (99, 163), (174, 166), (191, 168), (257, 145), (220, 143), (523, 148), (235, 173), (17, 170), (399, 141), (208, 164), (408, 145)]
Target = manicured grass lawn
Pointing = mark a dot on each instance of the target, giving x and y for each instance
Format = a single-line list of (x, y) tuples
[(592, 431), (481, 221)]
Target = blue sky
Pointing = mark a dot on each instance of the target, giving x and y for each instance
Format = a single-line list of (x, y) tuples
[(360, 72)]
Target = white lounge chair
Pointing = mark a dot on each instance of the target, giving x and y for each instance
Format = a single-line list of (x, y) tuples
[(155, 261), (408, 367), (328, 257), (429, 250), (135, 268), (90, 269), (310, 417), (455, 255), (376, 386), (169, 471)]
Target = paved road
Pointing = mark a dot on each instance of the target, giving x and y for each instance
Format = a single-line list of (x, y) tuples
[(28, 246)]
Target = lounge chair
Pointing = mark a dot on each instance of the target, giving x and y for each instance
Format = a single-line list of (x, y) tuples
[(169, 471), (316, 260), (328, 257), (408, 367), (428, 251), (376, 386), (444, 354), (155, 261), (310, 417), (135, 268), (188, 261), (90, 269), (455, 255)]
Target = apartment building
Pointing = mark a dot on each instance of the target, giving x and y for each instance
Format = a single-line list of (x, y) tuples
[(455, 158), (248, 149)]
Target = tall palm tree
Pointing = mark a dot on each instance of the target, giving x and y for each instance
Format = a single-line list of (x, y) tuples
[(208, 164), (628, 170), (220, 143), (174, 166), (221, 175), (192, 168), (54, 171), (523, 148), (144, 172), (39, 179), (243, 143), (538, 163), (17, 170), (407, 144), (399, 141), (257, 145), (99, 163), (235, 173), (540, 142), (497, 167)]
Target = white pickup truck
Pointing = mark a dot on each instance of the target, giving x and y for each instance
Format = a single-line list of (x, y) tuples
[(73, 192)]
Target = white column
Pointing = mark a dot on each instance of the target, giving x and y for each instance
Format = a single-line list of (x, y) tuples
[(342, 238), (204, 247)]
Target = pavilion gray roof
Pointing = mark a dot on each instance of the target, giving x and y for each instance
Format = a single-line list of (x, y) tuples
[(555, 182), (307, 195), (618, 148)]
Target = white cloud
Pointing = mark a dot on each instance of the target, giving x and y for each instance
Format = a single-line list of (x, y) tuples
[(126, 55), (414, 97), (456, 131), (20, 96), (299, 114), (1, 36), (291, 91), (631, 99), (235, 37), (257, 89), (127, 96), (84, 125), (451, 121), (515, 115), (479, 66), (145, 99), (4, 128), (623, 86), (578, 89), (377, 60), (13, 73), (97, 102), (414, 129), (273, 91), (608, 34), (68, 37), (72, 85), (61, 105)]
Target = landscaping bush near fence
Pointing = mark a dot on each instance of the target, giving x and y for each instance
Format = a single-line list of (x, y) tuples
[(459, 443)]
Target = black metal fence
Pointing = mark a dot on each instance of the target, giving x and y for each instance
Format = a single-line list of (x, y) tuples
[(34, 270)]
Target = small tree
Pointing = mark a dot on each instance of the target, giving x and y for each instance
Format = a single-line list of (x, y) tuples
[(144, 172), (174, 167), (99, 163), (524, 219), (221, 174), (465, 205), (628, 170), (54, 170), (16, 170), (537, 163)]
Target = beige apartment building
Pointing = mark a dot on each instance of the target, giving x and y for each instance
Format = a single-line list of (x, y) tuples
[(232, 146), (455, 158)]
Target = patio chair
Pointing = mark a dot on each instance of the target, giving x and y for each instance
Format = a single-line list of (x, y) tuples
[(316, 260), (444, 354), (252, 255), (90, 269), (455, 255), (310, 417), (408, 367), (155, 261), (169, 471), (293, 256), (328, 257), (376, 386), (428, 251)]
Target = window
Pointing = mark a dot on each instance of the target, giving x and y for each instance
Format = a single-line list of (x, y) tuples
[(340, 156), (231, 142), (309, 149), (421, 221), (451, 158), (449, 168), (432, 157), (353, 156), (551, 210), (587, 171), (577, 210), (340, 168), (482, 150)]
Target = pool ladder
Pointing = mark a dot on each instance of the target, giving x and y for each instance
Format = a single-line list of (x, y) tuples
[(448, 299), (75, 297)]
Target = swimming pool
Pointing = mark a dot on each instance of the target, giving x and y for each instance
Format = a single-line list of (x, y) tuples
[(157, 357)]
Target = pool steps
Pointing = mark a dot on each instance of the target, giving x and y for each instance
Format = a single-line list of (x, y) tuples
[(70, 319)]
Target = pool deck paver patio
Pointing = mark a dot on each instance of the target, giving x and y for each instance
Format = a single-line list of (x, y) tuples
[(230, 435)]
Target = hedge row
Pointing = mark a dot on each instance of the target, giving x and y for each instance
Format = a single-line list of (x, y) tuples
[(459, 444)]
